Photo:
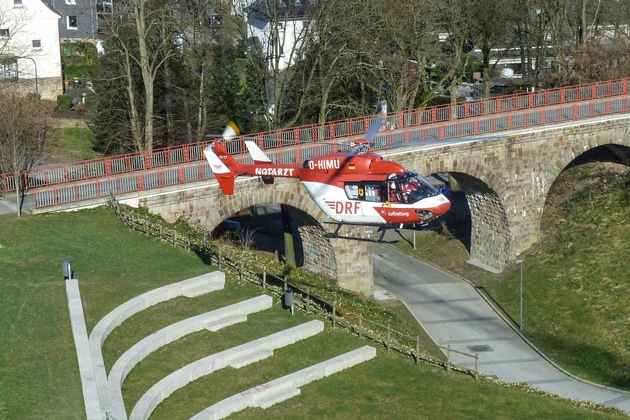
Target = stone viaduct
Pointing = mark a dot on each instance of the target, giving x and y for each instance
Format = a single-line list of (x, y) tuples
[(505, 180)]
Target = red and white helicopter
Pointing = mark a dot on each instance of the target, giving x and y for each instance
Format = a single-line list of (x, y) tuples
[(350, 187)]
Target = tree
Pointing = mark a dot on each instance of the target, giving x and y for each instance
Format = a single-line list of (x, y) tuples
[(456, 21), (273, 54), (209, 76), (23, 128), (491, 31), (410, 49), (589, 39), (140, 37), (326, 64)]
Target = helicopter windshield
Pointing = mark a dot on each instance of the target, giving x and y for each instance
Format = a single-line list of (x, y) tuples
[(412, 187)]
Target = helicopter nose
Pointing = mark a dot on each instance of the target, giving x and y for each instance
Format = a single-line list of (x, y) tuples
[(443, 208)]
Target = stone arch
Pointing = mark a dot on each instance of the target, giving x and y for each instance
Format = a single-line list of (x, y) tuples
[(490, 226), (617, 142), (485, 175), (318, 252), (348, 259), (251, 192), (490, 236)]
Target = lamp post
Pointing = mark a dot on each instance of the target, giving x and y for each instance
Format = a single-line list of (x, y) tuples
[(36, 79), (39, 139), (521, 295)]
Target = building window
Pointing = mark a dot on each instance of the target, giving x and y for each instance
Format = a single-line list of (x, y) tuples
[(37, 43), (72, 22), (4, 33), (103, 7), (8, 68), (17, 3)]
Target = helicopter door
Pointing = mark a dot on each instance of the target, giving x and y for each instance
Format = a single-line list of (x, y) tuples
[(363, 192)]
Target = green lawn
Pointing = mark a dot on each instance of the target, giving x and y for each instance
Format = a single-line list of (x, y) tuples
[(38, 367), (72, 142)]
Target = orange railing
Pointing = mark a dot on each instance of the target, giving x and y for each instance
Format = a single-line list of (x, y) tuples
[(183, 164)]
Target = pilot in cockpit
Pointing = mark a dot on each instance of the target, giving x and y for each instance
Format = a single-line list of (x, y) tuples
[(393, 192)]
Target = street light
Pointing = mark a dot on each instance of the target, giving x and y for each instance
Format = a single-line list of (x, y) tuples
[(36, 79), (39, 139), (521, 294)]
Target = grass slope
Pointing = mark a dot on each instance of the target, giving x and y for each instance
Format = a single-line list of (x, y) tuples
[(39, 375), (72, 143), (576, 278)]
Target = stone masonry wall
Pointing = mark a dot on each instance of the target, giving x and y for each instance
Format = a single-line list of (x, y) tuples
[(506, 180)]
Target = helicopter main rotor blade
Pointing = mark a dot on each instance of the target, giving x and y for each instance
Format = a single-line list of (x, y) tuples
[(375, 125)]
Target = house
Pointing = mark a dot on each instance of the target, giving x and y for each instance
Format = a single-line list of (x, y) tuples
[(29, 46), (80, 18), (278, 29)]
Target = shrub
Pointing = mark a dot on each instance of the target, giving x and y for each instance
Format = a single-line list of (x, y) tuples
[(90, 103), (64, 102)]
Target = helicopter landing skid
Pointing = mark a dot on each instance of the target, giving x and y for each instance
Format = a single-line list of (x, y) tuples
[(367, 238), (381, 232)]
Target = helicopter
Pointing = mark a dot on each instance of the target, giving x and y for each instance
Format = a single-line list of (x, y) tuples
[(351, 187)]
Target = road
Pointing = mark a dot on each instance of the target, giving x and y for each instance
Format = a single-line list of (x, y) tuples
[(453, 313)]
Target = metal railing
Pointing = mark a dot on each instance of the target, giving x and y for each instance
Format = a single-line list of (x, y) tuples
[(482, 117)]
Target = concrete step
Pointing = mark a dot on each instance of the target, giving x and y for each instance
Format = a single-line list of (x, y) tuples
[(203, 284), (283, 388), (226, 321), (251, 358), (278, 396), (206, 366)]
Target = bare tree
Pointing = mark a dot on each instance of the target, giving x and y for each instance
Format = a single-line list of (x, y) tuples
[(137, 33), (491, 31), (208, 53), (457, 22), (274, 53), (12, 22), (23, 128), (589, 41), (410, 29)]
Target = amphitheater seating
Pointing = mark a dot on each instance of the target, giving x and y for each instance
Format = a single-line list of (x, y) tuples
[(278, 390), (235, 357)]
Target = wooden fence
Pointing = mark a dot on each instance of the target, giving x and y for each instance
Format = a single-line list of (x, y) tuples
[(246, 271)]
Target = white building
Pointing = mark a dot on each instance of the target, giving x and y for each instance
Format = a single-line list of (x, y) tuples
[(29, 46), (278, 28)]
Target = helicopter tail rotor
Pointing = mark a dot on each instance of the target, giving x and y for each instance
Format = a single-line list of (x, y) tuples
[(375, 127), (231, 131)]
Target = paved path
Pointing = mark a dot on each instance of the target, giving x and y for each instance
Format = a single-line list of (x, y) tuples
[(454, 313)]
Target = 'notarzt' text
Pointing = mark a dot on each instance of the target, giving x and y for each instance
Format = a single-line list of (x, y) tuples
[(288, 172)]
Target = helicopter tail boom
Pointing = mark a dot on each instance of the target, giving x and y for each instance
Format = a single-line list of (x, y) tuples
[(223, 166)]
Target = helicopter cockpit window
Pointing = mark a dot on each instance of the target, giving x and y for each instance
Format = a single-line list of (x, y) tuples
[(413, 187), (372, 193), (393, 192)]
